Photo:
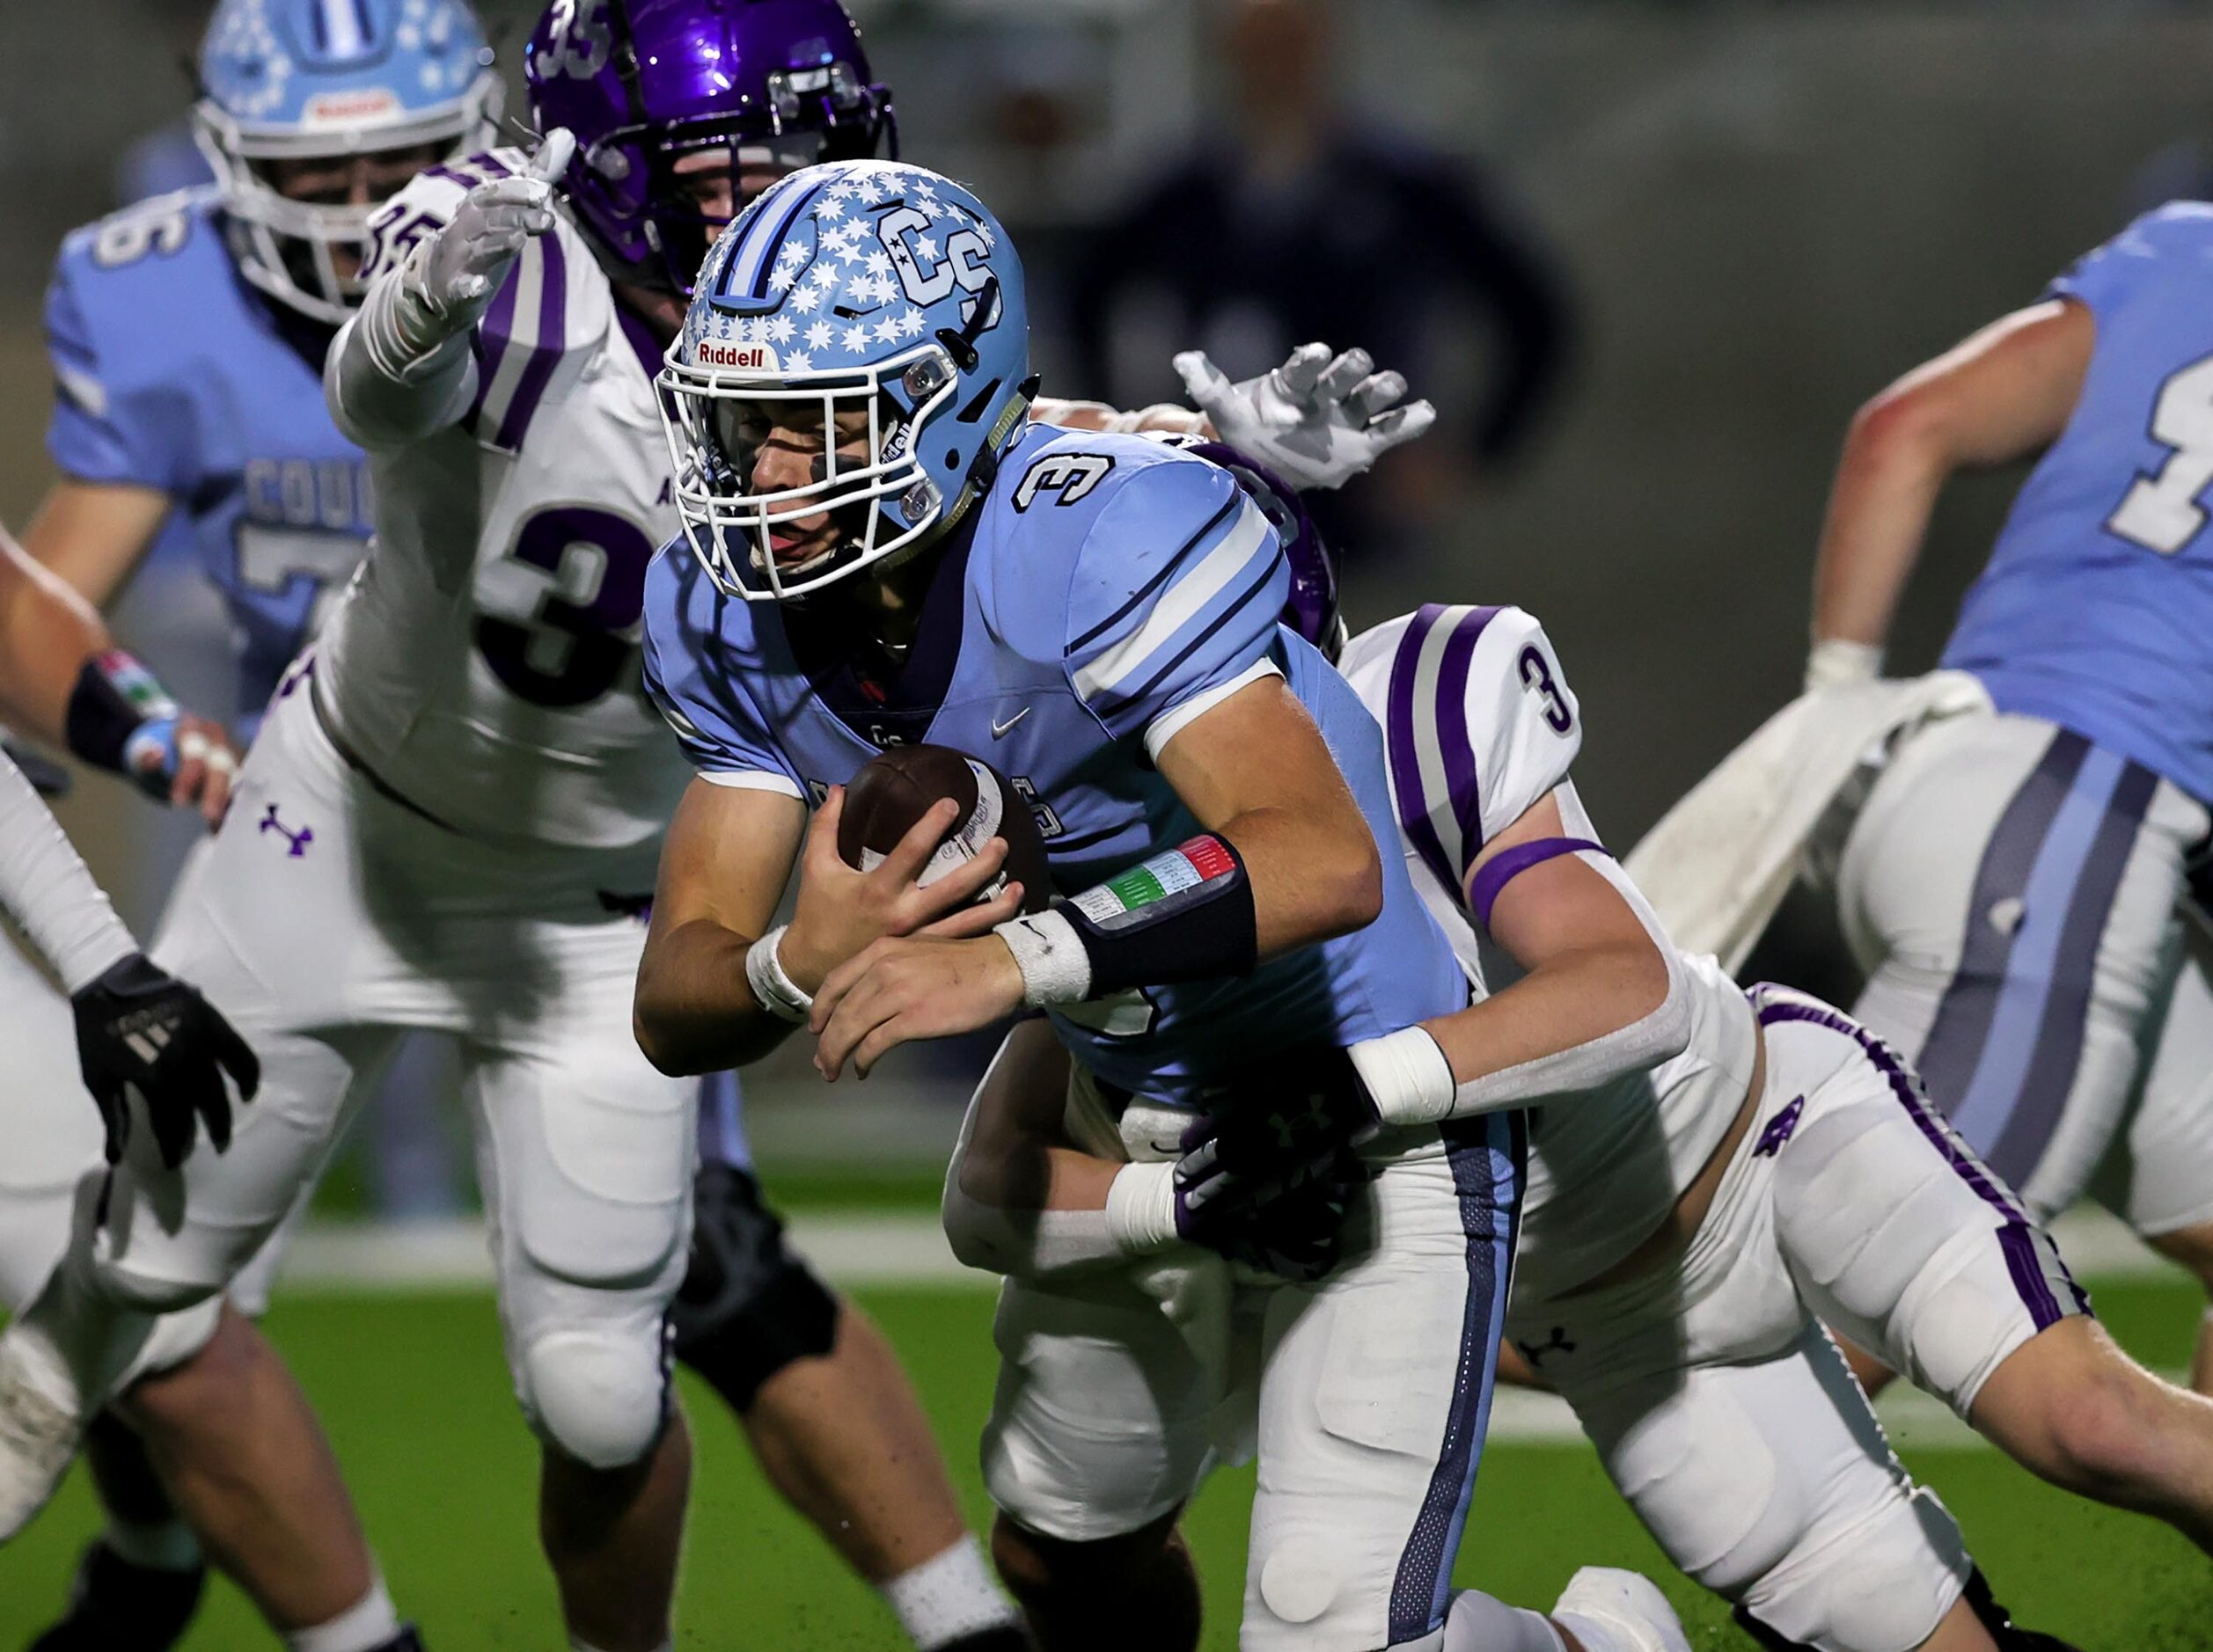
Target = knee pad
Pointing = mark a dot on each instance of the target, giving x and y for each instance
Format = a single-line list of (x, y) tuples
[(748, 1307), (601, 1399)]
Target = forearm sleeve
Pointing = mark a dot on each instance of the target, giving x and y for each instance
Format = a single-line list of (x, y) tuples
[(48, 890), (398, 370)]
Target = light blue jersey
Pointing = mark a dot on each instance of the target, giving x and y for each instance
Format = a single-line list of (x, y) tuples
[(171, 373), (2096, 611), (1110, 589)]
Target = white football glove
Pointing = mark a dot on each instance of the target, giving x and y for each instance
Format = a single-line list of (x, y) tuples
[(449, 281), (1318, 420)]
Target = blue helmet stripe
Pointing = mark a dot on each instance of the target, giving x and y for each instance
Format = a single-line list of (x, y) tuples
[(748, 269), (341, 28)]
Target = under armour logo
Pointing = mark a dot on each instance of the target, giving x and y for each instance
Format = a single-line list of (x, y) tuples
[(299, 840), (1779, 1130), (1535, 1352)]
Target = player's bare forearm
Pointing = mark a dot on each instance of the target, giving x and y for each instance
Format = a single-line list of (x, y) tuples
[(48, 632), (723, 867), (1576, 997), (1256, 771), (1603, 993), (92, 535), (694, 1012), (2003, 395)]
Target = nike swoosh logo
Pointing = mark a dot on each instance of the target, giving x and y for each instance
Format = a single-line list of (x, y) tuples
[(998, 729)]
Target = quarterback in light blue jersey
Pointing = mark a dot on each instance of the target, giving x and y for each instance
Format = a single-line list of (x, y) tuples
[(880, 551), (2014, 879)]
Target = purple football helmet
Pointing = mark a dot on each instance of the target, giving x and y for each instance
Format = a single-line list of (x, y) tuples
[(780, 84), (1311, 609)]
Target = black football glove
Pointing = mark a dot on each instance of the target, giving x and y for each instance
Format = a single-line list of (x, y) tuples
[(1293, 1119), (1298, 1235), (140, 1028), (48, 778)]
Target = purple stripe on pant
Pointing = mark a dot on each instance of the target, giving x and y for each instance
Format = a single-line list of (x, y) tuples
[(2017, 1234), (1487, 1154)]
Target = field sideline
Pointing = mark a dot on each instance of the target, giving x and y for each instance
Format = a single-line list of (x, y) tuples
[(408, 1376)]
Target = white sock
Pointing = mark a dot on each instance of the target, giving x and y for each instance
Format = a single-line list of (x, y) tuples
[(1475, 1622), (948, 1597), (166, 1546), (367, 1624)]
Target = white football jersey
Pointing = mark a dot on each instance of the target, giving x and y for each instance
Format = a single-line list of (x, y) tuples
[(483, 663), (1479, 725)]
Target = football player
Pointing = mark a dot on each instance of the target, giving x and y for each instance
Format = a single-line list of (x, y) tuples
[(2016, 881), (882, 549), (187, 336), (233, 1437), (1709, 1171)]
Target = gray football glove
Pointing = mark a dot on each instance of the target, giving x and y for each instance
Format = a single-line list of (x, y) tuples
[(1318, 420)]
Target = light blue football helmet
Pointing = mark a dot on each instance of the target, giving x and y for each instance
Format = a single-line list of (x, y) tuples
[(315, 79), (873, 289)]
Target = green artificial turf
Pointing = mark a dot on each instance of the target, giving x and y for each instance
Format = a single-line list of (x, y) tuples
[(416, 1396)]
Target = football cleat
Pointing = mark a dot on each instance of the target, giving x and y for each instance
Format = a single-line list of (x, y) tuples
[(1627, 1603), (38, 1440), (116, 1607)]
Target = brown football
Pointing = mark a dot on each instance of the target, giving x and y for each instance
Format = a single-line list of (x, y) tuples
[(896, 788)]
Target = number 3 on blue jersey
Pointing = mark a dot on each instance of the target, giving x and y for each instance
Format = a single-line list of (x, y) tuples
[(2161, 512)]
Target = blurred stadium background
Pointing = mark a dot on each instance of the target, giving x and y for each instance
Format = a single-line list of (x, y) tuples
[(1701, 232)]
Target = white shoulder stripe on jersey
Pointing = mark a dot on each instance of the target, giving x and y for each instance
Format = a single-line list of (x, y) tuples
[(1179, 604), (89, 394), (1173, 721), (530, 303), (751, 781)]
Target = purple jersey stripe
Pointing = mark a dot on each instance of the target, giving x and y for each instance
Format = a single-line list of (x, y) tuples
[(488, 343), (1404, 752), (1502, 868), (1462, 782), (553, 332), (1487, 1154)]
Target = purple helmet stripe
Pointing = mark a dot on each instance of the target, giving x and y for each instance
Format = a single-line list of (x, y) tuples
[(553, 330), (1487, 1154), (1404, 752)]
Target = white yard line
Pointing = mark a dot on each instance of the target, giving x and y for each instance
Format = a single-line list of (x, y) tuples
[(875, 1247)]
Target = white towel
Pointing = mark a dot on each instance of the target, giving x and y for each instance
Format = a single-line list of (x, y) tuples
[(1719, 862)]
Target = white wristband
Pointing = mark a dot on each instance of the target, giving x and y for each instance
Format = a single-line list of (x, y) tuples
[(1838, 662), (1407, 1076), (1055, 968), (1140, 1208), (779, 994)]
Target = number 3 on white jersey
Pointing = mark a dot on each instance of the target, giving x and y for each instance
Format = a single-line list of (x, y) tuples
[(2161, 513)]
